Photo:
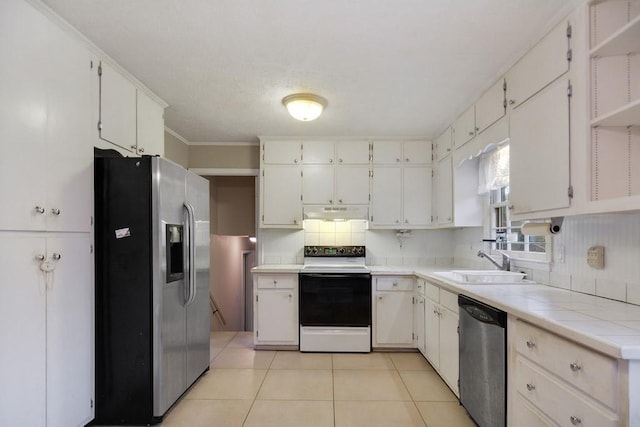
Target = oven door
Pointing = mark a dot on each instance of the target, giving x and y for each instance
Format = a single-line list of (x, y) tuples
[(335, 299)]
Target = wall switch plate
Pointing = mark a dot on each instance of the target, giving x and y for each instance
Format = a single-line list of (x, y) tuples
[(595, 257)]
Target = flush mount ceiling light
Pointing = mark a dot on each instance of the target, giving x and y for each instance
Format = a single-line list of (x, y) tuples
[(304, 106)]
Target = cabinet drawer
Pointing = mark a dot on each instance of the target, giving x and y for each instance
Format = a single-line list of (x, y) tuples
[(449, 300), (394, 284), (277, 281), (591, 372), (432, 292), (526, 415), (558, 401)]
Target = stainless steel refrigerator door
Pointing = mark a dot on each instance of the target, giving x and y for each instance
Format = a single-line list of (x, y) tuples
[(198, 318), (169, 323)]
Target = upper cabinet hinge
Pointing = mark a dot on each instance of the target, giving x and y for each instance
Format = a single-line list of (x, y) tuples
[(569, 55), (433, 174), (504, 85), (570, 90), (262, 221), (263, 173), (570, 192), (99, 125), (369, 197), (100, 70), (568, 30), (91, 64)]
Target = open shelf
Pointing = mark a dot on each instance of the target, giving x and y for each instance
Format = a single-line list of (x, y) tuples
[(624, 41), (628, 115)]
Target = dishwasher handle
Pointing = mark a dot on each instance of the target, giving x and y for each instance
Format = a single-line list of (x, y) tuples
[(482, 312)]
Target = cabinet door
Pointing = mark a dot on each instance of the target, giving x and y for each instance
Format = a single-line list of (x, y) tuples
[(431, 332), (491, 106), (282, 152), (317, 184), (387, 152), (70, 332), (22, 331), (417, 196), (150, 120), (352, 185), (23, 115), (464, 128), (281, 196), (386, 196), (394, 318), (449, 348), (352, 152), (417, 152), (69, 155), (419, 323), (318, 152), (540, 66), (444, 192), (539, 151), (442, 144), (117, 108), (277, 317)]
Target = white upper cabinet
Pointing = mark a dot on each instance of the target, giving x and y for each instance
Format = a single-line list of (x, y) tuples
[(442, 144), (539, 152), (317, 185), (352, 185), (544, 63), (281, 196), (387, 152), (386, 197), (416, 191), (443, 192), (150, 126), (417, 152), (47, 117), (491, 106), (117, 108), (282, 152), (464, 128), (353, 152), (318, 152)]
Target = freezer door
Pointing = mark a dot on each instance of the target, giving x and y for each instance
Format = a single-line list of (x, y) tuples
[(198, 321), (169, 293)]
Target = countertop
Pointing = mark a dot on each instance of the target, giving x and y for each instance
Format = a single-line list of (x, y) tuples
[(605, 325)]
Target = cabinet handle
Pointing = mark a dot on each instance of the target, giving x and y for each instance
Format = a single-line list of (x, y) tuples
[(395, 283), (575, 366), (295, 160), (39, 209), (397, 221), (339, 160), (397, 160), (339, 200), (531, 344), (406, 221), (330, 201), (56, 256), (295, 221), (39, 257), (575, 420), (55, 211), (141, 150), (512, 101), (379, 298), (330, 160), (134, 147), (471, 133), (407, 160), (290, 296), (510, 207), (275, 282), (421, 302), (435, 312), (530, 387)]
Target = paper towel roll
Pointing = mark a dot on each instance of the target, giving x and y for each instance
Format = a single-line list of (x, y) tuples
[(539, 229)]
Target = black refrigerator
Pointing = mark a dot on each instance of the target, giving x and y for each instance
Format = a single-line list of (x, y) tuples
[(152, 286)]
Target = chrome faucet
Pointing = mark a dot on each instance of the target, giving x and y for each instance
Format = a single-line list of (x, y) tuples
[(506, 260)]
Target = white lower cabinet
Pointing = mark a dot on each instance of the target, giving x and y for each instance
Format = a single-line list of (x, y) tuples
[(419, 323), (548, 369), (276, 309), (393, 312), (46, 330), (441, 333)]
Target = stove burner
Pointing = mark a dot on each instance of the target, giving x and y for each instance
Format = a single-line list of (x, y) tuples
[(334, 251)]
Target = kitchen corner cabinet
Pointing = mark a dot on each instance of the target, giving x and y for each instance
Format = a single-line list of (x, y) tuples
[(615, 104), (128, 118), (441, 333), (276, 309), (46, 327), (464, 128), (442, 145), (456, 199), (490, 108), (393, 312)]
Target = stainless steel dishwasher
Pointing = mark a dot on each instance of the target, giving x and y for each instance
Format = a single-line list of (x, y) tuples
[(483, 368)]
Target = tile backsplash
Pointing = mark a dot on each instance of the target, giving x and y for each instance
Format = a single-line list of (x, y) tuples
[(339, 233)]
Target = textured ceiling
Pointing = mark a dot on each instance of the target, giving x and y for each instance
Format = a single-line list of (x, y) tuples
[(386, 67)]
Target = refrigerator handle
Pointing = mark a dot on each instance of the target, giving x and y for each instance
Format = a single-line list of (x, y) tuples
[(191, 251)]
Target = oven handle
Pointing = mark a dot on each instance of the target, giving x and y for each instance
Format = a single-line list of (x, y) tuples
[(335, 275)]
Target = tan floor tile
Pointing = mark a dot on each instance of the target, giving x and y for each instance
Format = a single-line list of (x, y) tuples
[(242, 340), (369, 385), (410, 362), (290, 413), (214, 351), (374, 414), (427, 386), (243, 358), (222, 338), (208, 413), (297, 385), (362, 361), (444, 414), (228, 384), (297, 360)]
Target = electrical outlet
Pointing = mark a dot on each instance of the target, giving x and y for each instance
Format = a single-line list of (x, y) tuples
[(595, 257)]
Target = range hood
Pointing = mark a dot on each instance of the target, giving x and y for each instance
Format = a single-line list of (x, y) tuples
[(336, 213)]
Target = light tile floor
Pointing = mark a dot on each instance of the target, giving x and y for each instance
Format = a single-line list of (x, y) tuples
[(248, 388)]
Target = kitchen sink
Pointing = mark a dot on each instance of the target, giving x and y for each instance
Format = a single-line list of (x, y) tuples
[(483, 277)]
